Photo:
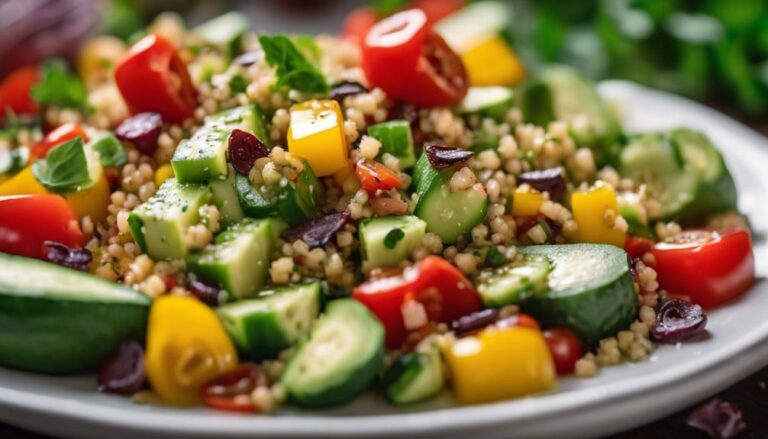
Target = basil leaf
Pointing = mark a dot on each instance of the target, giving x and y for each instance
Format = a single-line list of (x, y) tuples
[(58, 87), (293, 69), (308, 47), (393, 237), (65, 169), (111, 151)]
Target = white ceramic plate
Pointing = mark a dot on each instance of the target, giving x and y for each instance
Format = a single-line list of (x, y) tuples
[(619, 398)]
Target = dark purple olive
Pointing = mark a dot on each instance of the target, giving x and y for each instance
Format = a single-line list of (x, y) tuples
[(205, 292), (347, 88), (547, 180), (443, 157), (318, 232), (123, 372), (678, 320), (142, 130), (476, 320), (244, 149), (60, 254), (719, 419), (248, 58)]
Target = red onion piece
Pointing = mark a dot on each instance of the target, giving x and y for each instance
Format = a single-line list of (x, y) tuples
[(60, 254), (678, 320), (244, 149), (443, 157), (719, 419), (142, 130), (547, 180), (317, 233)]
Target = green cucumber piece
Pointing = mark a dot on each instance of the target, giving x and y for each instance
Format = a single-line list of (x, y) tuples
[(226, 30), (57, 320), (239, 258), (159, 224), (389, 240), (513, 283), (396, 139), (590, 290), (342, 357), (414, 377), (636, 220), (273, 321), (493, 102), (224, 196)]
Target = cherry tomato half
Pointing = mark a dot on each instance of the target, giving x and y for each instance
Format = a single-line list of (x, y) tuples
[(565, 348), (412, 63), (636, 246), (374, 176), (16, 92), (232, 391), (64, 133), (152, 78), (709, 267)]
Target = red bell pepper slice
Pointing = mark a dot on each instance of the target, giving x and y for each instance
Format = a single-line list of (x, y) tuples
[(64, 133), (16, 92)]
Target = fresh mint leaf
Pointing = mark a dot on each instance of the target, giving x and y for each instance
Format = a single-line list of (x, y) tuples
[(308, 47), (393, 237), (293, 69), (58, 87), (111, 151), (65, 168)]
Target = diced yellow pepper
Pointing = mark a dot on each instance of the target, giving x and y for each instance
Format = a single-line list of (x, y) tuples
[(23, 183), (163, 173), (316, 134), (526, 202), (4, 178), (492, 62), (591, 213), (499, 364), (342, 174)]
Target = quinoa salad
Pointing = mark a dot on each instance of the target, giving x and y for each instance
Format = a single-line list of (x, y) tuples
[(218, 216)]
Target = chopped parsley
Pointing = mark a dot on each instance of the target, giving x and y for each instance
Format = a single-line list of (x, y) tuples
[(111, 151), (393, 237), (294, 71), (58, 87), (494, 257)]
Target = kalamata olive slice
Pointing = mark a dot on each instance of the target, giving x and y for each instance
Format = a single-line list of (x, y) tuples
[(473, 322), (547, 180), (142, 130), (318, 232), (77, 258), (347, 88), (719, 419), (443, 157), (678, 320), (205, 292), (244, 149), (123, 372)]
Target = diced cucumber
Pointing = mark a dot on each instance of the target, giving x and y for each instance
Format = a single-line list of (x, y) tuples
[(292, 201), (57, 320), (449, 215), (342, 357), (493, 102), (635, 217), (389, 240), (159, 224), (396, 139), (224, 196), (414, 377), (511, 284), (275, 320), (226, 30), (238, 259), (590, 290), (561, 93), (483, 140), (204, 156)]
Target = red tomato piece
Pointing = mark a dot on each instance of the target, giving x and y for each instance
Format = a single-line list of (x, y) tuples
[(412, 63), (153, 78), (232, 391), (16, 92), (434, 282), (358, 23), (27, 221), (636, 246), (565, 348), (436, 10), (709, 267), (64, 133), (374, 176), (519, 319)]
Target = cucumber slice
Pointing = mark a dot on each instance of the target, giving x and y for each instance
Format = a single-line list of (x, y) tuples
[(224, 196), (515, 282), (414, 377), (342, 357), (57, 320), (635, 218), (396, 139), (389, 240), (264, 326), (226, 30), (590, 290), (493, 102), (239, 258), (158, 225)]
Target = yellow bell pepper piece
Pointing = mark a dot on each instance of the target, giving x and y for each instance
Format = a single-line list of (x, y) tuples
[(499, 364), (23, 183), (163, 173), (186, 347), (492, 62), (316, 134), (592, 212), (526, 202)]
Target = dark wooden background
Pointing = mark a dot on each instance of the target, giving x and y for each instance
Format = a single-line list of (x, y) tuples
[(750, 394)]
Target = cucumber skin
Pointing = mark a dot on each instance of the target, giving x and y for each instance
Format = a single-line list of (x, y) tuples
[(405, 372), (286, 202)]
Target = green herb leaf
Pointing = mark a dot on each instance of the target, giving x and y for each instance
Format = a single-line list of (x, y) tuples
[(393, 237), (388, 7), (59, 87), (238, 84), (111, 151), (293, 69), (494, 257), (308, 47), (65, 169), (13, 160)]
